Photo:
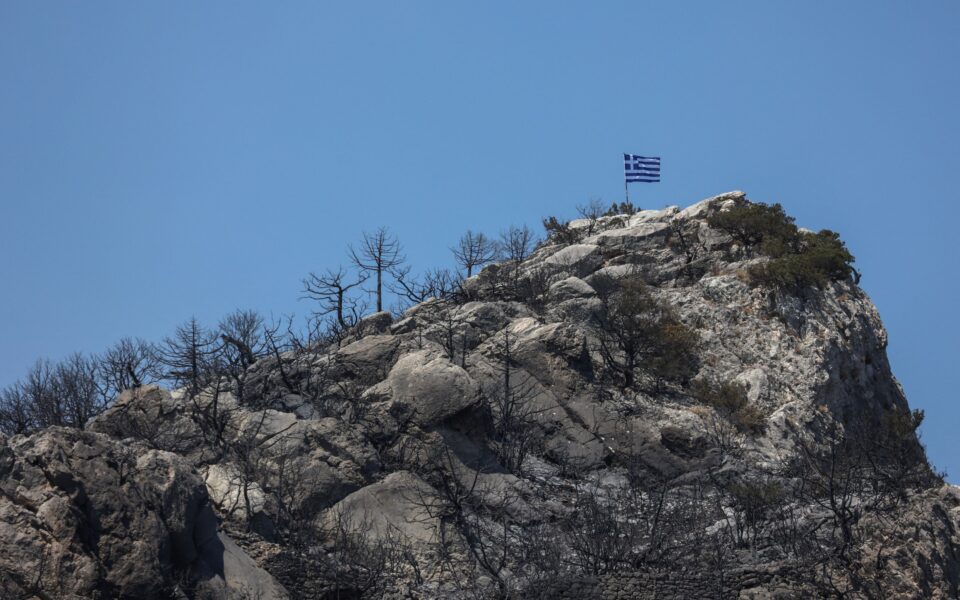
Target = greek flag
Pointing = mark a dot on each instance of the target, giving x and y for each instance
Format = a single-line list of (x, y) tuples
[(641, 168)]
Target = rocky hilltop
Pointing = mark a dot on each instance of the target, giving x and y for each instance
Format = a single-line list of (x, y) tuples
[(688, 403)]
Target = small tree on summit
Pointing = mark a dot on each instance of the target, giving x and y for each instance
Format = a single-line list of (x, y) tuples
[(379, 252), (592, 211), (331, 290), (435, 283), (243, 339), (624, 208), (188, 356), (129, 363), (242, 333), (474, 250), (516, 243)]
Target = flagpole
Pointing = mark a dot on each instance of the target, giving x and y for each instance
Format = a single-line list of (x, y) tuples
[(626, 180)]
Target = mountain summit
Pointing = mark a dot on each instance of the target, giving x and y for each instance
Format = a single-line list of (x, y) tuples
[(688, 403)]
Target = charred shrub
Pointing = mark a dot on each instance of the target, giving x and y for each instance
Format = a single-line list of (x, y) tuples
[(560, 231), (623, 208)]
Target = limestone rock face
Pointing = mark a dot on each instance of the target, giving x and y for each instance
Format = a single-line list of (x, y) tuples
[(328, 457), (81, 515)]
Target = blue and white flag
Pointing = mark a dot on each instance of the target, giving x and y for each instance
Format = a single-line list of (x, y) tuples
[(641, 168)]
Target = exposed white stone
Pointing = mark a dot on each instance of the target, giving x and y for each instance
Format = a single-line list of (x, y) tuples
[(700, 209), (647, 216), (433, 387), (569, 288), (232, 493), (578, 259)]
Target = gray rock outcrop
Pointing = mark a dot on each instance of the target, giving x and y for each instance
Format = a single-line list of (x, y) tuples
[(84, 516)]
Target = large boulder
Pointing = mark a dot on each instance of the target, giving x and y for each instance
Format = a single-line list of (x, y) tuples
[(573, 299), (307, 464), (368, 359), (397, 506), (576, 259), (428, 386), (311, 462)]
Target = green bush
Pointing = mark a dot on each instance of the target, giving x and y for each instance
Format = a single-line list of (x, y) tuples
[(758, 224), (799, 260), (822, 258), (643, 339)]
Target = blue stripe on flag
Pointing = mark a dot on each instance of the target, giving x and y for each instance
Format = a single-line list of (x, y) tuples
[(641, 169)]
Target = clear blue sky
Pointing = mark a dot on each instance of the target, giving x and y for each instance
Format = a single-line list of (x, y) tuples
[(165, 159)]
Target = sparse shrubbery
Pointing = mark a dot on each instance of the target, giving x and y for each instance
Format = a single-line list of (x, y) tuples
[(531, 289), (561, 231), (623, 208), (901, 458), (754, 504), (676, 359), (799, 259), (643, 339), (71, 392)]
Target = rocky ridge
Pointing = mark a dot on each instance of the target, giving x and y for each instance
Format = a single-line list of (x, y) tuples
[(479, 446)]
